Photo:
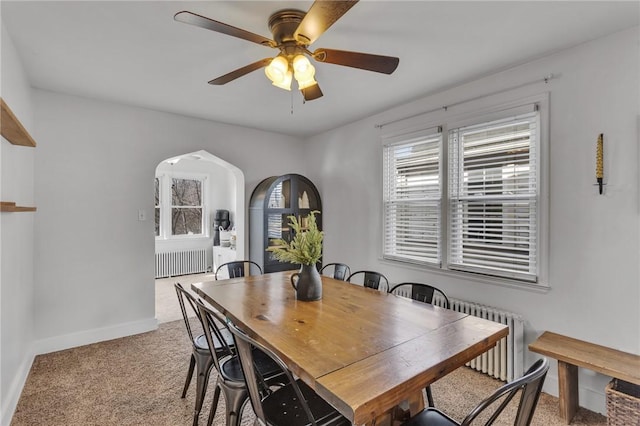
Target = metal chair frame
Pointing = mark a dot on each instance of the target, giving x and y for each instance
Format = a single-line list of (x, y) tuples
[(423, 292), (371, 279), (237, 268), (201, 357), (530, 386), (230, 381), (340, 270), (293, 404)]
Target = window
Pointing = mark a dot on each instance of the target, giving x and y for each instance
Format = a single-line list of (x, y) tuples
[(493, 193), (412, 194), (180, 207), (157, 206), (466, 196)]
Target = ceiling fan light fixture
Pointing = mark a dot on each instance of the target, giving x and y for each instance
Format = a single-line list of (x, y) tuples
[(279, 73), (304, 72), (285, 83)]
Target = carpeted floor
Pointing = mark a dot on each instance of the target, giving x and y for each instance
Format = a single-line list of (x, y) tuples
[(138, 380)]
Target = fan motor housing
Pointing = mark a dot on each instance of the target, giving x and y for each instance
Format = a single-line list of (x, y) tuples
[(284, 23)]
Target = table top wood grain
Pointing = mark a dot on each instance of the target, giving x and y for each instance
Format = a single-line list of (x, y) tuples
[(360, 349)]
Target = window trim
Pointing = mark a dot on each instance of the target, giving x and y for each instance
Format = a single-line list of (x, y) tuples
[(477, 111), (166, 206)]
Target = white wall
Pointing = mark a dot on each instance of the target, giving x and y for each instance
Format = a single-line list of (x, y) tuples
[(16, 237), (95, 260), (593, 264)]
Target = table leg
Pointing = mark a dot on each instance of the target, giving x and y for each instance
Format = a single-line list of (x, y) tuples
[(401, 412), (568, 390)]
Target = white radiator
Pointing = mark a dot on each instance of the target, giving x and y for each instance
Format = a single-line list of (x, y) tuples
[(171, 264), (506, 360)]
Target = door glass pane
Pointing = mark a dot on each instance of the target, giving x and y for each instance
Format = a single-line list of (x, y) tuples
[(306, 197), (277, 229), (280, 197)]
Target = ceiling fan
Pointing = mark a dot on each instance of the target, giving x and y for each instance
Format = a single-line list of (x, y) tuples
[(293, 32)]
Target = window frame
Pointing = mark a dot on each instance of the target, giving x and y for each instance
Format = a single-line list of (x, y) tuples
[(166, 206), (474, 112)]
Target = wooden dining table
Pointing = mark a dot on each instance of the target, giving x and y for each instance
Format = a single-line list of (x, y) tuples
[(368, 353)]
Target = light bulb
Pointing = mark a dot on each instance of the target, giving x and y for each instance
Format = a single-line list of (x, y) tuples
[(285, 83), (277, 71), (301, 65), (303, 72)]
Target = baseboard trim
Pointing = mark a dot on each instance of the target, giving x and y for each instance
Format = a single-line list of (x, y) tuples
[(81, 338), (588, 398), (11, 397)]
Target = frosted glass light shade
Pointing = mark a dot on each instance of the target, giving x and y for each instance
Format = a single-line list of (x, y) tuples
[(278, 72), (304, 72)]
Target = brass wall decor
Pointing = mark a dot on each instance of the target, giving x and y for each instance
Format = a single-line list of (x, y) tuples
[(599, 158)]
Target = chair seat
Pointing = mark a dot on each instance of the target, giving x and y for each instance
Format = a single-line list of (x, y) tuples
[(201, 341), (282, 408), (231, 369), (431, 417)]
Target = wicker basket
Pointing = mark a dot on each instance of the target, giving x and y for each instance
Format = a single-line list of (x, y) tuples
[(623, 403)]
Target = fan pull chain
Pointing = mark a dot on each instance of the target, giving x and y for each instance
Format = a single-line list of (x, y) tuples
[(291, 92)]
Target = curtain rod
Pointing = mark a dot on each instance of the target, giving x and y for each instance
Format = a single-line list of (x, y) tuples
[(545, 79)]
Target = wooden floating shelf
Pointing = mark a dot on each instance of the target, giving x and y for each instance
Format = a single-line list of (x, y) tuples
[(10, 206), (12, 129)]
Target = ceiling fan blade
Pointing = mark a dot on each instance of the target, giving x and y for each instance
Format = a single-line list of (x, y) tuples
[(210, 24), (224, 79), (311, 92), (319, 18), (365, 61)]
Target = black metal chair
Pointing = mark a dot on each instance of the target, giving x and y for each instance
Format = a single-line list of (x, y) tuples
[(530, 386), (294, 404), (340, 271), (422, 293), (240, 268), (201, 358), (371, 279), (231, 381)]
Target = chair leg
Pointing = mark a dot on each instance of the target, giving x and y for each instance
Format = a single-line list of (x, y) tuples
[(429, 397), (203, 365), (192, 364), (214, 405), (235, 400)]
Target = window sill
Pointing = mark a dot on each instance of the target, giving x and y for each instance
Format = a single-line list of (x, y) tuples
[(471, 277), (184, 238)]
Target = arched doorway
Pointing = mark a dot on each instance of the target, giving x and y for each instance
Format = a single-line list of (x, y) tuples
[(203, 183)]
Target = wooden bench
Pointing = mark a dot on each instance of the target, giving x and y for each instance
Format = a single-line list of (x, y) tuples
[(573, 353)]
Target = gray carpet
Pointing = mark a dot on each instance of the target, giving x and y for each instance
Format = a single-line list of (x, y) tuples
[(137, 380)]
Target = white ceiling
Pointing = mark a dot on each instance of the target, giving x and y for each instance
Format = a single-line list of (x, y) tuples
[(135, 53)]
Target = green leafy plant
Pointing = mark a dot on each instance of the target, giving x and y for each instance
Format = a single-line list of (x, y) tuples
[(306, 246)]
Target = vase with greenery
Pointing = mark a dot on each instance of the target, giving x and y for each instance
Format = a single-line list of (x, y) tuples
[(304, 249)]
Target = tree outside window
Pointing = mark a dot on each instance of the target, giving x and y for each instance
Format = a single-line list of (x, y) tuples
[(186, 206)]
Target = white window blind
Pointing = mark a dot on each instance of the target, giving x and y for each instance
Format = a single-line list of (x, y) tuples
[(412, 199), (493, 197)]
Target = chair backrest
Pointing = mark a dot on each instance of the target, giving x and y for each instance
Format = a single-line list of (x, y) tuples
[(420, 292), (530, 385), (185, 295), (370, 279), (256, 385), (239, 268), (213, 325), (340, 270)]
